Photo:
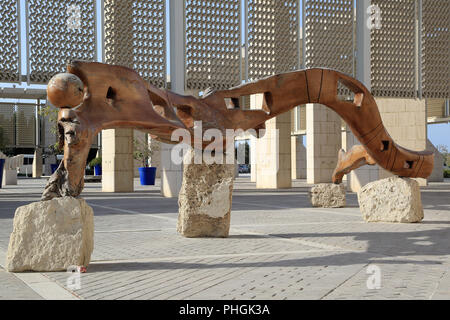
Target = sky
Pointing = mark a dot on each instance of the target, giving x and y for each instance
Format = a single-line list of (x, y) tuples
[(437, 133)]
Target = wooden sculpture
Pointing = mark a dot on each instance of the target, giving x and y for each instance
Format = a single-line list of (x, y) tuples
[(356, 157), (95, 96)]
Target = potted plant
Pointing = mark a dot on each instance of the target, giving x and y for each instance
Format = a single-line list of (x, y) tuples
[(96, 163), (52, 151), (143, 152)]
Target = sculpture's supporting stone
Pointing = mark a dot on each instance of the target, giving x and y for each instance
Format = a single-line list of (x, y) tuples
[(327, 195), (391, 200), (51, 236), (205, 199)]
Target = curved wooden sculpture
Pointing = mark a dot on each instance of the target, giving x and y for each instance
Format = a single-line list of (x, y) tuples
[(95, 96), (356, 157)]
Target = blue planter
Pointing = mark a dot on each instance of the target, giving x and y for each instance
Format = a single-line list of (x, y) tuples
[(2, 164), (147, 176), (53, 167), (98, 170)]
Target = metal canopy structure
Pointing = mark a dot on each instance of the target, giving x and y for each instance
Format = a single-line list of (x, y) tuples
[(410, 52)]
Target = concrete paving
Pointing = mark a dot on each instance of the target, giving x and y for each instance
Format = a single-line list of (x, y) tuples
[(279, 248)]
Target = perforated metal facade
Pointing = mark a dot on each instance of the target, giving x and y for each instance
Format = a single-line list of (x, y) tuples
[(436, 48), (393, 50), (7, 123), (59, 32), (436, 108), (213, 36), (134, 36), (272, 37), (329, 34), (26, 125), (9, 41)]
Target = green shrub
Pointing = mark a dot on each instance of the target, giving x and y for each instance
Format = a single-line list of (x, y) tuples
[(95, 161), (447, 173)]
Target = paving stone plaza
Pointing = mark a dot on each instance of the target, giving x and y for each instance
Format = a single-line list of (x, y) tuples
[(279, 248)]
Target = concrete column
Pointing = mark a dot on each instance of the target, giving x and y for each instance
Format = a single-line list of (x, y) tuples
[(253, 142), (360, 177), (273, 168), (117, 144), (37, 163), (117, 160), (298, 158), (323, 141), (172, 174), (253, 158)]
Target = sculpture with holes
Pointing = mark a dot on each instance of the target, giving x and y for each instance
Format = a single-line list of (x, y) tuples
[(95, 96)]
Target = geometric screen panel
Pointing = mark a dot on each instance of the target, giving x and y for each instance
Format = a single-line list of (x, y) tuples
[(436, 48), (273, 34), (393, 50), (134, 36), (9, 41), (59, 31)]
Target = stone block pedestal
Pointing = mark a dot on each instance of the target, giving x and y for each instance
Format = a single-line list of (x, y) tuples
[(51, 236), (327, 195), (391, 200), (205, 200)]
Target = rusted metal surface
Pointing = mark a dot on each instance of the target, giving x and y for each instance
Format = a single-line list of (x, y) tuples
[(117, 97)]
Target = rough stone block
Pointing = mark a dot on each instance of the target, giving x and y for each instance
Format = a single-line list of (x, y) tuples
[(205, 200), (51, 236), (391, 200), (327, 195)]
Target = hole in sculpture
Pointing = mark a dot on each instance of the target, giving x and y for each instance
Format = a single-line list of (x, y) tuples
[(159, 104), (111, 94), (344, 92), (384, 145), (232, 103), (408, 164), (257, 101)]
